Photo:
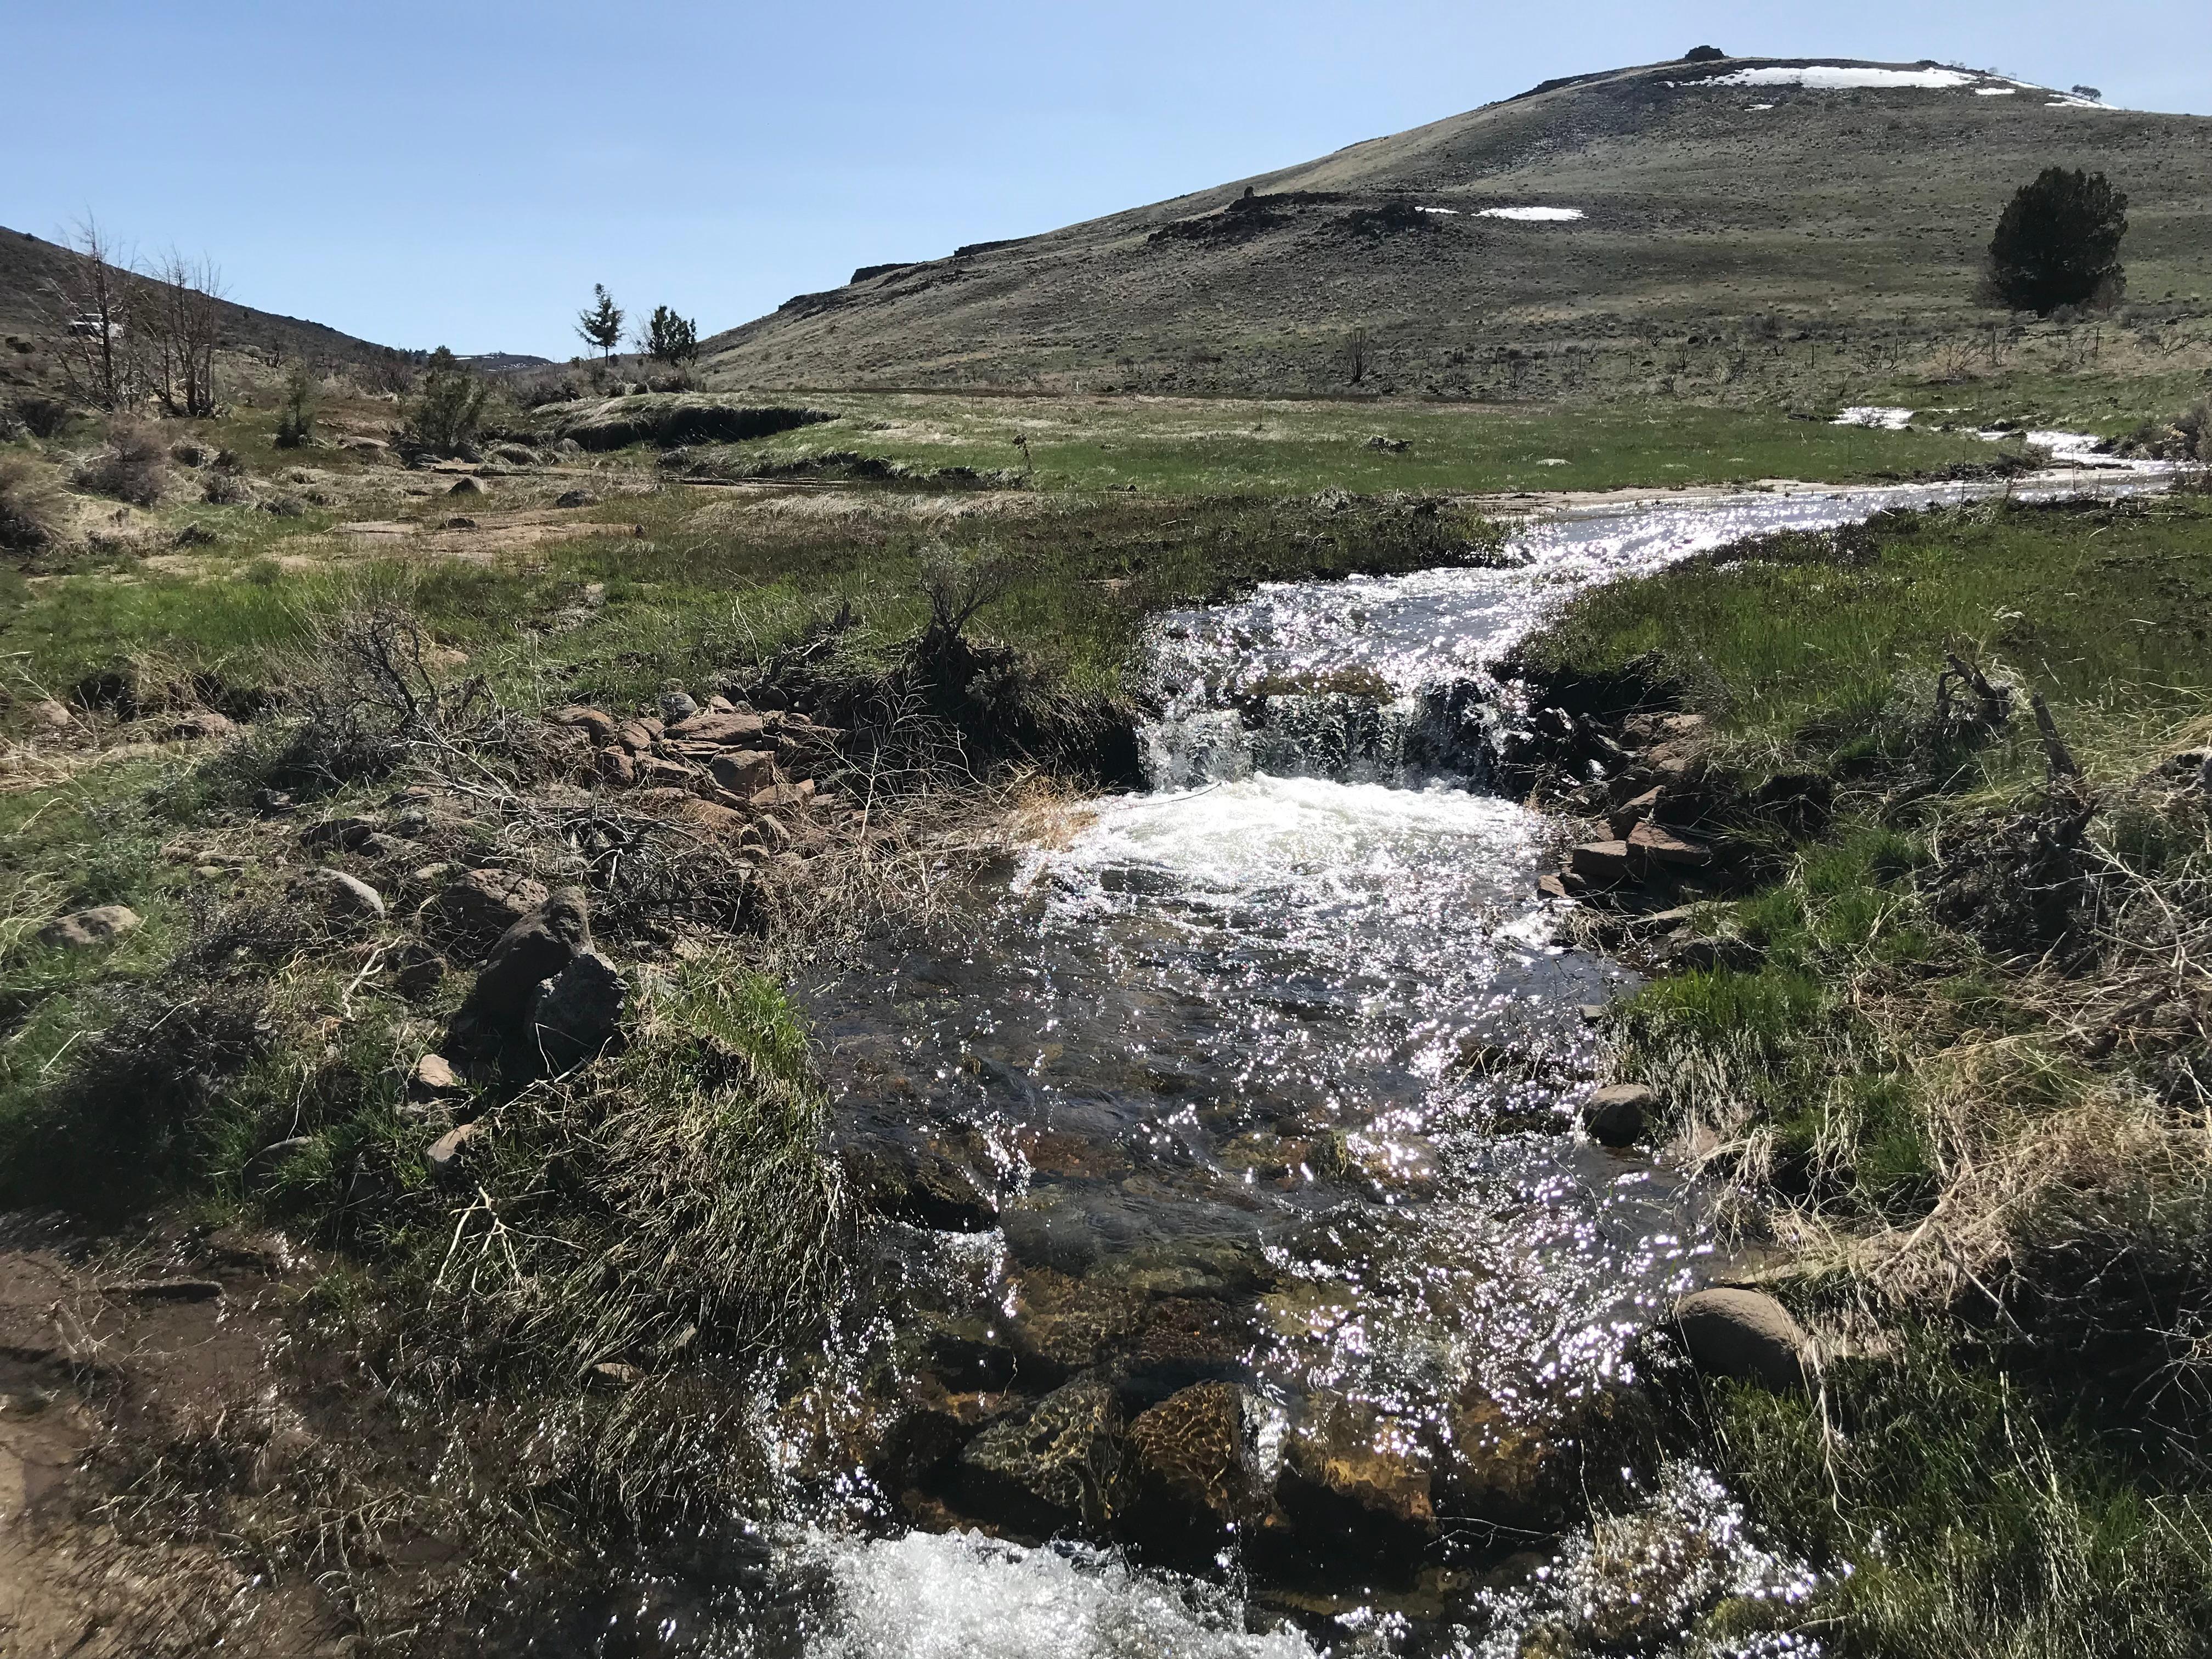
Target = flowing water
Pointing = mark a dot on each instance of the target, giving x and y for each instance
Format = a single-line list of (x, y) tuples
[(1274, 1066)]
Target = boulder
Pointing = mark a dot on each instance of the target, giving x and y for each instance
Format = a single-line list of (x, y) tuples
[(677, 706), (1347, 1480), (580, 1010), (1599, 863), (1059, 1467), (726, 728), (482, 904), (466, 486), (743, 772), (575, 498), (1746, 1335), (445, 1154), (1649, 845), (1190, 1478), (96, 925), (348, 896), (1617, 1114), (536, 947)]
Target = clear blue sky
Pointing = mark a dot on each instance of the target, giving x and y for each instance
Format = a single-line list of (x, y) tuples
[(461, 173)]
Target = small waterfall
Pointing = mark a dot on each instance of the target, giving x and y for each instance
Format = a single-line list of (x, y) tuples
[(1361, 733)]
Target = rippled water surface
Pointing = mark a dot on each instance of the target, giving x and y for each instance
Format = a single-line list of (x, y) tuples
[(1288, 1037)]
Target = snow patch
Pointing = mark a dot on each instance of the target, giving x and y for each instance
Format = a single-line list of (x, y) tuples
[(1995, 92), (1531, 214), (1758, 106), (1448, 212), (1889, 420), (1839, 77)]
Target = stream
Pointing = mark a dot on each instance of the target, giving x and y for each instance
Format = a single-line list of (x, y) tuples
[(1272, 1069)]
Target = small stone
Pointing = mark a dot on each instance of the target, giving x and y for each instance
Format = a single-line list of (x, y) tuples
[(1060, 1466), (638, 736), (349, 895), (434, 1077), (482, 904), (1746, 1335), (613, 1374), (101, 923), (1616, 1115), (276, 1154), (677, 706), (721, 727), (458, 522), (445, 1153), (197, 724), (779, 795), (1593, 1013), (272, 802), (465, 486), (1633, 812), (575, 498), (617, 768), (1551, 886), (48, 717)]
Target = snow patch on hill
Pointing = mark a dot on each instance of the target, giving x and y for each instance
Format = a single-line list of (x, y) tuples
[(1531, 214), (1841, 77)]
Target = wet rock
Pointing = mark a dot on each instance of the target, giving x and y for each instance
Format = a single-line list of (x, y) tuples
[(446, 1153), (536, 947), (1348, 1484), (1551, 886), (743, 772), (921, 1186), (1600, 863), (482, 904), (579, 1010), (1189, 1474), (1495, 1468), (348, 896), (920, 1435), (1059, 1467), (677, 706), (1617, 1114), (96, 925), (1746, 1335)]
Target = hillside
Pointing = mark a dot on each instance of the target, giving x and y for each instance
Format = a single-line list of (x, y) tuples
[(28, 264), (1723, 207)]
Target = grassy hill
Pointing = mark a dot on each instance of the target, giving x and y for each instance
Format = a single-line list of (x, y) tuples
[(1735, 230)]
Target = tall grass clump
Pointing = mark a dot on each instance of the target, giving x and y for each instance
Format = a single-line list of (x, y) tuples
[(132, 466), (34, 509)]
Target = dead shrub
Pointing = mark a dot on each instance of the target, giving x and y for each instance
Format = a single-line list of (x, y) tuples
[(33, 510), (369, 695), (132, 466)]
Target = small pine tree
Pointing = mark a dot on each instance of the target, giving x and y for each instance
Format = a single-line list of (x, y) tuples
[(2058, 243), (669, 338), (601, 322), (296, 418)]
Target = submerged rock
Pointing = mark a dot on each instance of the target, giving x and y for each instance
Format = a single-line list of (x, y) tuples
[(1190, 1476), (1060, 1466), (1349, 1484)]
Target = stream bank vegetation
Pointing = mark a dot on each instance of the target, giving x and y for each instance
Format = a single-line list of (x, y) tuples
[(1948, 1047)]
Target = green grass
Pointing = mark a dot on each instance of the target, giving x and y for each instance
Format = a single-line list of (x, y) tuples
[(1794, 642), (1217, 447)]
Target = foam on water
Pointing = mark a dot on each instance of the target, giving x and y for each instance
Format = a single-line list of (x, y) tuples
[(960, 1596)]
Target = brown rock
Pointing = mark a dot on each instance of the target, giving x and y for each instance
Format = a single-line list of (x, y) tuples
[(1617, 1114), (719, 727), (616, 768), (666, 774), (1345, 1481), (1060, 1466), (433, 1079), (1498, 1470), (1599, 863), (1551, 886), (596, 721), (743, 772), (1649, 845), (484, 903), (1626, 817), (48, 718), (536, 947), (779, 795), (638, 736), (466, 486), (348, 896), (446, 1152), (1746, 1335), (716, 820), (1190, 1473)]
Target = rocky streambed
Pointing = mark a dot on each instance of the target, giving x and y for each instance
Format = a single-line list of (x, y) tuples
[(1253, 1285)]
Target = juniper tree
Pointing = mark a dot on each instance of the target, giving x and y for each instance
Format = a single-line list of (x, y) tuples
[(669, 338), (2058, 243)]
